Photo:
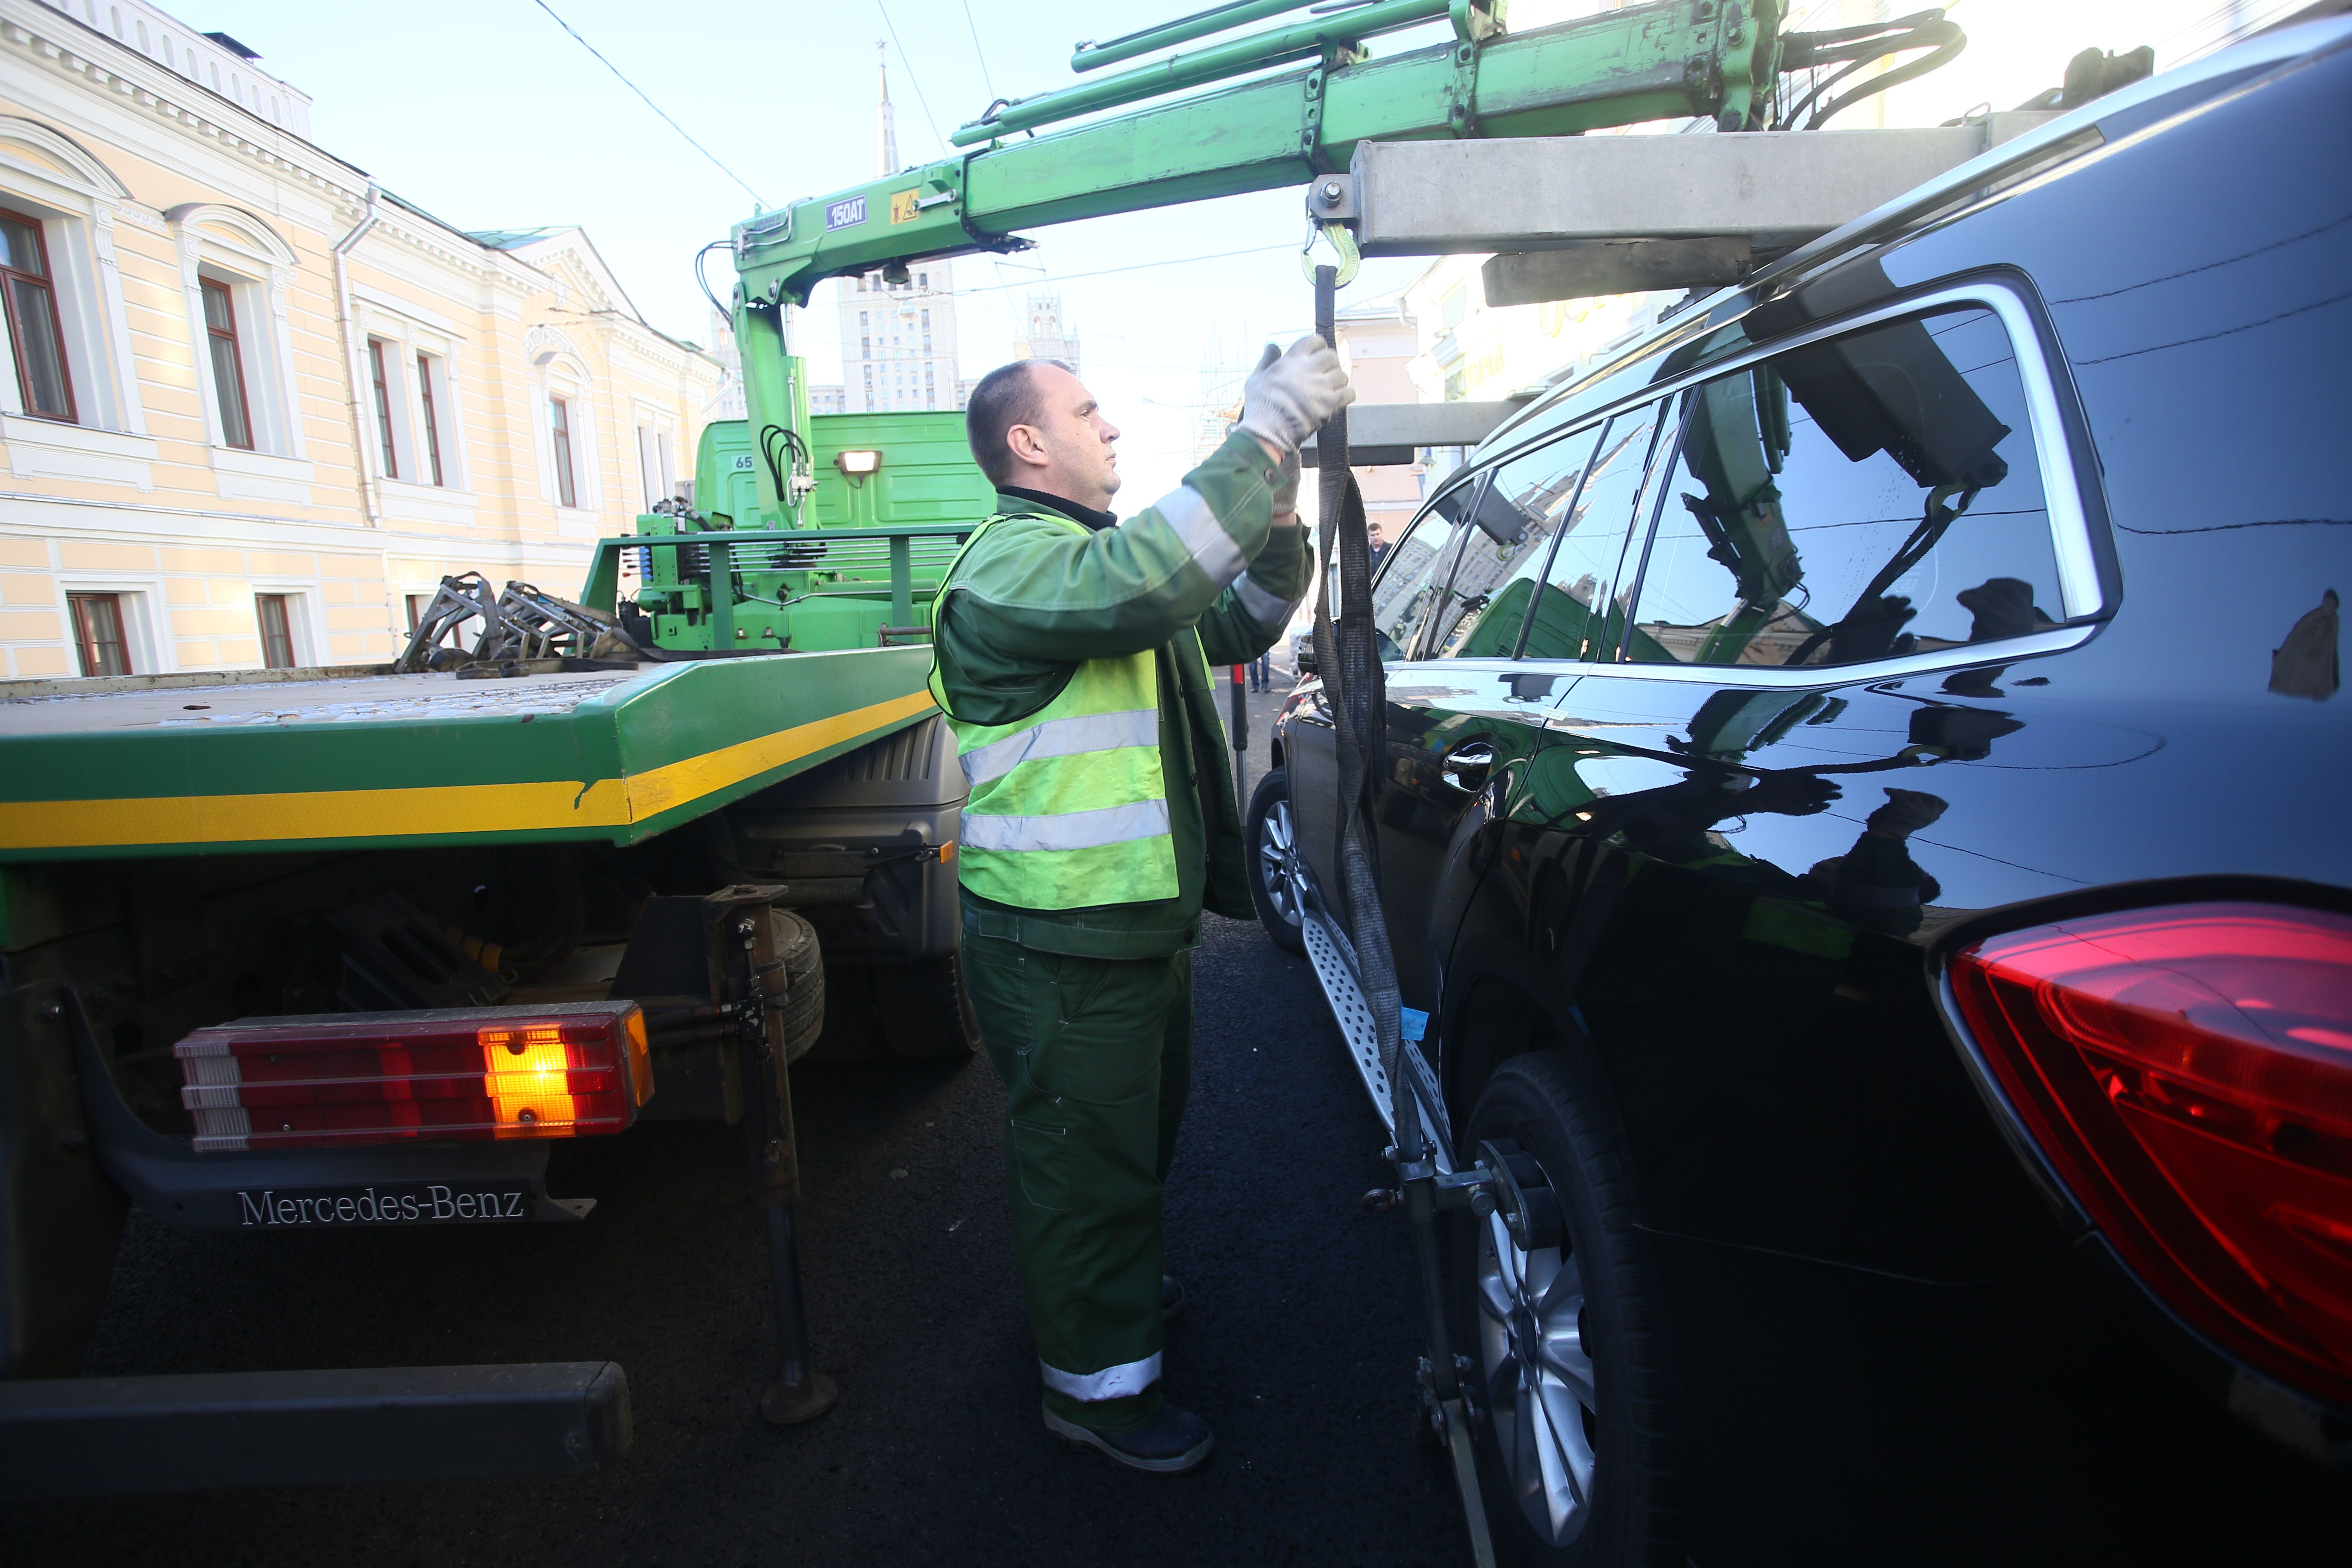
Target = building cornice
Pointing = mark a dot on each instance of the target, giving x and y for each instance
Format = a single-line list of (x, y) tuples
[(63, 46)]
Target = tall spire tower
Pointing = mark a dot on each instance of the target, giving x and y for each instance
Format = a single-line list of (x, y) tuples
[(884, 124)]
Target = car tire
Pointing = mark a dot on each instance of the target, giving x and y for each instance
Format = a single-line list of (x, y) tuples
[(1271, 846), (1609, 1493)]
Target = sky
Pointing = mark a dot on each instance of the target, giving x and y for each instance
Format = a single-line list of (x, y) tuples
[(488, 115)]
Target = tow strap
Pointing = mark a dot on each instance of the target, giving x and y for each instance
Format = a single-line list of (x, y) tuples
[(1354, 686)]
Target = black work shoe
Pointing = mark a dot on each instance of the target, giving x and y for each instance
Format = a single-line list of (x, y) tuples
[(1172, 1297), (1168, 1444)]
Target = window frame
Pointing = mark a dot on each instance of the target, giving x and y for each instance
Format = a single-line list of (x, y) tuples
[(559, 449), (429, 413), (48, 284), (380, 378), (206, 288), (2083, 592), (262, 603), (84, 644)]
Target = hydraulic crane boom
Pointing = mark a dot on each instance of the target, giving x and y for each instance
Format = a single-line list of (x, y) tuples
[(1713, 58)]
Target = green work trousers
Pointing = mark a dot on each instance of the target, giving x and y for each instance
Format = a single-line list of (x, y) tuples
[(1096, 1059)]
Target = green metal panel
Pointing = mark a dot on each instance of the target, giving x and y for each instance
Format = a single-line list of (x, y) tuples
[(657, 750), (927, 474)]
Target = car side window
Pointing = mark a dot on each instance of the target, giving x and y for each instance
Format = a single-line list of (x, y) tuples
[(1865, 497), (1411, 570), (1580, 609), (1525, 505), (1508, 536)]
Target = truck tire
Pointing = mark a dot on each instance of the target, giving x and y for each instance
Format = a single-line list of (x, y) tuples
[(1270, 838), (1584, 1312), (802, 1016), (925, 1010)]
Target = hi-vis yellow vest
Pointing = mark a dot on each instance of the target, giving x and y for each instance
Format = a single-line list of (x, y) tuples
[(1068, 807)]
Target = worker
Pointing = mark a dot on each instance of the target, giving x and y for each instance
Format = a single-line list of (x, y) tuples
[(1071, 655)]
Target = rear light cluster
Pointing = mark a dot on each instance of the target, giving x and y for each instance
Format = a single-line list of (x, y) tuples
[(2188, 1072), (342, 1078)]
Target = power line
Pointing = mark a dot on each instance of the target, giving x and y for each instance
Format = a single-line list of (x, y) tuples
[(986, 80), (656, 108), (914, 80)]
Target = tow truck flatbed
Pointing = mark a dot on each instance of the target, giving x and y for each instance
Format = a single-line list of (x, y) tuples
[(350, 759)]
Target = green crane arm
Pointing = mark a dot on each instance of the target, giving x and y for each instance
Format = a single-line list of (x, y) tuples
[(1648, 62), (1718, 58)]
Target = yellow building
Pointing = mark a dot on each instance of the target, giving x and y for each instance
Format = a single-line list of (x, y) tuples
[(254, 407)]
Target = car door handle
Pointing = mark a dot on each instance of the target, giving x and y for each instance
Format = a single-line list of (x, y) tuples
[(1466, 765)]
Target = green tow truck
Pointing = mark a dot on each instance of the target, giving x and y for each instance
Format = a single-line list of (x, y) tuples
[(352, 947)]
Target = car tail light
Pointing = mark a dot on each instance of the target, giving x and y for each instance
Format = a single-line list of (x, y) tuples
[(340, 1078), (2188, 1072)]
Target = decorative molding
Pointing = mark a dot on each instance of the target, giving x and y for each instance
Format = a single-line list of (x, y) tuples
[(45, 449), (252, 236), (70, 162)]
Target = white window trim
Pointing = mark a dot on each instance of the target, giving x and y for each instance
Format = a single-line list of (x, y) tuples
[(233, 246), (561, 374), (447, 427), (77, 198), (152, 652), (304, 620), (398, 391)]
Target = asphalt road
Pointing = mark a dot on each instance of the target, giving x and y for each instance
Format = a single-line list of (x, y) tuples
[(1296, 1343)]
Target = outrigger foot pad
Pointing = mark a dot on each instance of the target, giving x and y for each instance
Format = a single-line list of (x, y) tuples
[(789, 1404)]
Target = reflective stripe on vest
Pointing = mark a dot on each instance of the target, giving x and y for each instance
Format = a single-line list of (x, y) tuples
[(1068, 808)]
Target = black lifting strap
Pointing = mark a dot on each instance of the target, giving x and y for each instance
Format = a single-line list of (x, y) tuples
[(1354, 687)]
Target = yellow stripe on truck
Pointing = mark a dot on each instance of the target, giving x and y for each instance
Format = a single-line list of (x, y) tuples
[(431, 809)]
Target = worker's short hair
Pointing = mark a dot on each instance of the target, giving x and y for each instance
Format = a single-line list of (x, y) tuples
[(1002, 398)]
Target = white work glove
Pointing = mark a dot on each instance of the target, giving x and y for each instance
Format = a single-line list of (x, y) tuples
[(1285, 486), (1289, 395)]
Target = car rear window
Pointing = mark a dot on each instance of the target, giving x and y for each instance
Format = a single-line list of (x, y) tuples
[(1873, 495)]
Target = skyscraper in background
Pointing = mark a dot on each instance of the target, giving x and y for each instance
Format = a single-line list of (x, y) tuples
[(897, 339)]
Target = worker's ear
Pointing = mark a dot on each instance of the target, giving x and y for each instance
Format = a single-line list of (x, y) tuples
[(1027, 447)]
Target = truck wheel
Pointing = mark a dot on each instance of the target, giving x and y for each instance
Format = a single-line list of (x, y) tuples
[(926, 1011), (802, 1016), (1274, 863), (1572, 1425)]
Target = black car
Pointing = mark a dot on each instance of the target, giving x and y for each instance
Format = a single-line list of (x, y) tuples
[(1864, 810)]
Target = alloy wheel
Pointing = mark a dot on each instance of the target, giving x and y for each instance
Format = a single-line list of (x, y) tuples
[(1537, 1379), (1277, 859)]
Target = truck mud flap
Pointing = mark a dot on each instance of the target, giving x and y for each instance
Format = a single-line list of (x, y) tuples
[(85, 1437)]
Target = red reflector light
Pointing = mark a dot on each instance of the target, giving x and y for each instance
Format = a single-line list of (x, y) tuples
[(339, 1079), (2188, 1072)]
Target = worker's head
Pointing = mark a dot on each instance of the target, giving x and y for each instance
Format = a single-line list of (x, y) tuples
[(1035, 426)]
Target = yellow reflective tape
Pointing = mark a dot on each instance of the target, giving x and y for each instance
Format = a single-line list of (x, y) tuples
[(432, 809)]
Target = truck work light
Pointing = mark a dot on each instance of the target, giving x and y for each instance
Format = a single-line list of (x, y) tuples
[(2188, 1073), (334, 1080), (858, 464)]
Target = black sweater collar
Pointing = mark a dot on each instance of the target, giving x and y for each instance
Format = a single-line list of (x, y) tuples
[(1067, 508)]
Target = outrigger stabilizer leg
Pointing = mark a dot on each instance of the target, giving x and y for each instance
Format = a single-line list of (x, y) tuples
[(741, 939)]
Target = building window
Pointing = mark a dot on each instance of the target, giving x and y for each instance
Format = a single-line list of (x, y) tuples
[(428, 371), (277, 630), (416, 604), (559, 420), (228, 366), (927, 331), (33, 326), (382, 380), (98, 633)]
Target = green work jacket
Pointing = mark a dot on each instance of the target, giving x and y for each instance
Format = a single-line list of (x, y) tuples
[(1200, 578)]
